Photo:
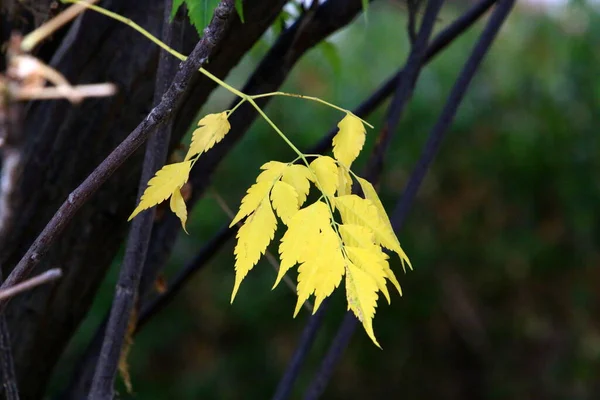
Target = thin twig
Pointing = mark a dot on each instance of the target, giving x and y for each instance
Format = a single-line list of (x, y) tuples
[(45, 277), (404, 90), (45, 30), (413, 10), (307, 338), (159, 115), (126, 292), (429, 151)]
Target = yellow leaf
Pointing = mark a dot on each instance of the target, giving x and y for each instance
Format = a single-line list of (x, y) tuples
[(349, 140), (212, 129), (371, 194), (344, 182), (285, 200), (298, 176), (323, 272), (168, 179), (371, 261), (356, 235), (254, 196), (271, 171), (253, 238), (178, 207), (392, 278), (355, 210), (326, 172), (303, 227), (361, 293)]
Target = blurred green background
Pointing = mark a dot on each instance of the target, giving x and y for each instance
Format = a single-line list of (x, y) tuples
[(504, 235)]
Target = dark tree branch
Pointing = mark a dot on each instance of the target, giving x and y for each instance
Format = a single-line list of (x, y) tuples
[(430, 150), (211, 248), (404, 89), (158, 116), (447, 116), (413, 10), (46, 277), (139, 236), (309, 334)]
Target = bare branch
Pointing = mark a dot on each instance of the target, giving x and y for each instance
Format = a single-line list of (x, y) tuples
[(126, 293), (46, 277)]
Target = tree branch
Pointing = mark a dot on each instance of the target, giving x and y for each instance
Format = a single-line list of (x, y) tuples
[(404, 90), (139, 236), (45, 277), (430, 150), (158, 116)]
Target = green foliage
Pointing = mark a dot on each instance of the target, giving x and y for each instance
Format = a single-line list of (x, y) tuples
[(201, 11)]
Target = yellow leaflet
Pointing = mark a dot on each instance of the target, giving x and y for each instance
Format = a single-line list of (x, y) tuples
[(271, 171), (295, 245), (285, 200), (349, 140), (355, 210), (326, 172), (254, 196), (344, 182), (360, 236), (298, 176), (371, 194), (168, 179), (178, 207), (361, 293), (371, 261), (212, 129), (357, 235), (253, 238), (321, 273)]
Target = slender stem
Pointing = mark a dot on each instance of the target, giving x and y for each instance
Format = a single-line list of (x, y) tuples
[(43, 278), (32, 39), (132, 24), (310, 98)]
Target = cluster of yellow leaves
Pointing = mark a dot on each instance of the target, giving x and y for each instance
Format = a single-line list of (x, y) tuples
[(325, 250), (169, 180)]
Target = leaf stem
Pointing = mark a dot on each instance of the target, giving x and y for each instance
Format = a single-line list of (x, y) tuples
[(310, 98), (132, 24)]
